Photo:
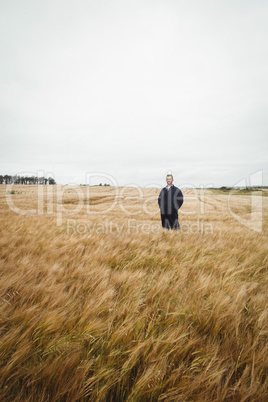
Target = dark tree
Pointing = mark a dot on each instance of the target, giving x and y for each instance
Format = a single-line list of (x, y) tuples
[(17, 179), (51, 180)]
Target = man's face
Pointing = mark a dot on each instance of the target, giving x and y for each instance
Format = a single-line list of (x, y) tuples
[(169, 180)]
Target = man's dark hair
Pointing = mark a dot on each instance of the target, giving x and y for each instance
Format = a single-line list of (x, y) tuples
[(170, 175)]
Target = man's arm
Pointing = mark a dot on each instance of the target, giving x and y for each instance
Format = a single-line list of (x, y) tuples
[(178, 199), (160, 198)]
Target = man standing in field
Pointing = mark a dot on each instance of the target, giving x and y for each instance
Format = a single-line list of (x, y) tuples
[(170, 200)]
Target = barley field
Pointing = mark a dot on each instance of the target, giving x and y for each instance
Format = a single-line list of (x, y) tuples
[(99, 303)]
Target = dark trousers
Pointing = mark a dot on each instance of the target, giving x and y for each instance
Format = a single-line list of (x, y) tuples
[(169, 222)]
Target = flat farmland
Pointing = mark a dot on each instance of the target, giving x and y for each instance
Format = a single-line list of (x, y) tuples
[(99, 303)]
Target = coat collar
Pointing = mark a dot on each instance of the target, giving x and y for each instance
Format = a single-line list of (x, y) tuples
[(170, 187)]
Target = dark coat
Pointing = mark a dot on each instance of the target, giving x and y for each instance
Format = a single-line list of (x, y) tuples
[(170, 201)]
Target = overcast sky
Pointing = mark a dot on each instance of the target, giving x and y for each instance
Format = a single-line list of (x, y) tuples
[(135, 89)]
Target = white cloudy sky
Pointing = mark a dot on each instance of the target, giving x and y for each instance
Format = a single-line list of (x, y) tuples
[(135, 89)]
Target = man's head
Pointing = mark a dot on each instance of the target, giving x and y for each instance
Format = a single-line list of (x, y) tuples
[(169, 179)]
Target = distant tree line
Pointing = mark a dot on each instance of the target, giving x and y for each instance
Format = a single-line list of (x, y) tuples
[(105, 184), (17, 179), (247, 188)]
